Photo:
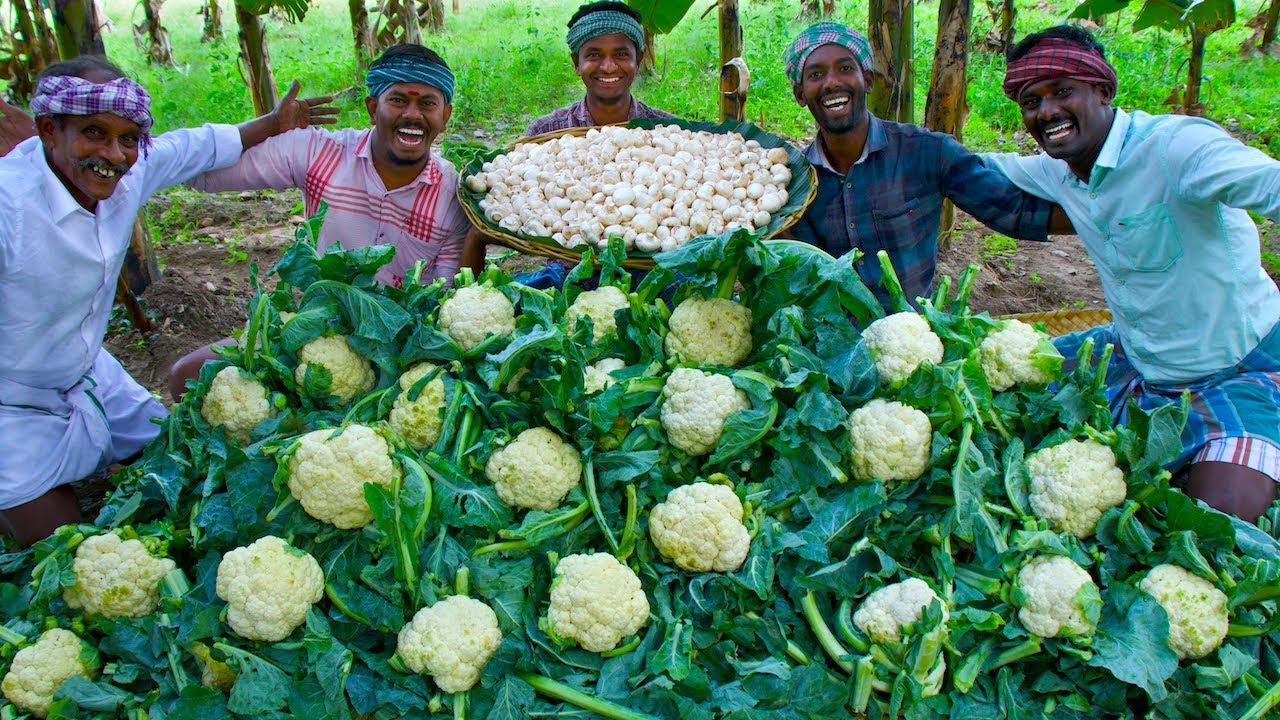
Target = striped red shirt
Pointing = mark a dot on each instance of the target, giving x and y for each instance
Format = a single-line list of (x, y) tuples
[(423, 219)]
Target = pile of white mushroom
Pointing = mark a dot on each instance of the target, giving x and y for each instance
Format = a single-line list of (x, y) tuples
[(655, 189)]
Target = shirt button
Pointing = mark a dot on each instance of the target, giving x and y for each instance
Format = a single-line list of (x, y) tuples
[(1093, 195), (852, 225)]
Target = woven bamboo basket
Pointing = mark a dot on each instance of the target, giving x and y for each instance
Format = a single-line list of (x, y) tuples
[(800, 192), (1061, 322)]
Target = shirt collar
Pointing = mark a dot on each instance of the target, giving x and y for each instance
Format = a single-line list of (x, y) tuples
[(583, 115), (875, 141), (430, 172), (1109, 155)]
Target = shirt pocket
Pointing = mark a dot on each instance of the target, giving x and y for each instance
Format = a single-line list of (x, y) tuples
[(897, 226), (1148, 241)]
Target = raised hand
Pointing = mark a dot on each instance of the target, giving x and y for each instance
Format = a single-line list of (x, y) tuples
[(293, 113)]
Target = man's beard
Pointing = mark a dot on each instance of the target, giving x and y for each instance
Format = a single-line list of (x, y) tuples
[(856, 117)]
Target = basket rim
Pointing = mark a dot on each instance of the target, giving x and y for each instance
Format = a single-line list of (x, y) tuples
[(547, 247)]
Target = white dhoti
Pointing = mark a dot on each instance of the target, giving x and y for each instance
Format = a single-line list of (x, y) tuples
[(52, 437)]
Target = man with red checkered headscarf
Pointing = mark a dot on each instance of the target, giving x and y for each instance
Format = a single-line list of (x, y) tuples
[(68, 200), (1160, 202)]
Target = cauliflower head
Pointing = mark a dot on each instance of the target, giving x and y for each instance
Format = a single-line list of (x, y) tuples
[(899, 343), (327, 474), (268, 587), (1018, 353), (39, 669), (450, 641), (474, 312), (596, 601), (1197, 610), (596, 378), (891, 441), (419, 421), (694, 407), (599, 305), (709, 331), (351, 373), (1073, 483), (116, 578), (884, 612), (534, 471), (700, 529), (1057, 598), (236, 401)]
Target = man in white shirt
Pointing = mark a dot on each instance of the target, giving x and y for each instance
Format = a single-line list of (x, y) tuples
[(68, 200), (1160, 202)]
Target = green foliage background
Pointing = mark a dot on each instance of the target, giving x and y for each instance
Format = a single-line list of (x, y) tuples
[(513, 66)]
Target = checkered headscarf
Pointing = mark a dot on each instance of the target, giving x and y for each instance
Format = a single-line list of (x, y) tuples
[(409, 69), (1054, 58), (825, 33), (71, 95), (604, 22)]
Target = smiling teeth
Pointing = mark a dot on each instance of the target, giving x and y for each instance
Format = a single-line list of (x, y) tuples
[(1058, 129), (609, 80), (835, 102), (103, 173), (412, 131)]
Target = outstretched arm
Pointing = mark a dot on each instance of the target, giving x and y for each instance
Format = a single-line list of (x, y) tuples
[(291, 114), (15, 126)]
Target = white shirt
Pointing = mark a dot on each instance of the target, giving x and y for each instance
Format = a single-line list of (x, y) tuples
[(59, 262), (1163, 215)]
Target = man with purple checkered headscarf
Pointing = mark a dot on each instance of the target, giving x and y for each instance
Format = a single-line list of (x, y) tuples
[(68, 201), (1162, 206), (881, 184)]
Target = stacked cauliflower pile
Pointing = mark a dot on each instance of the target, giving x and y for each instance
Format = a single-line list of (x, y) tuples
[(655, 189)]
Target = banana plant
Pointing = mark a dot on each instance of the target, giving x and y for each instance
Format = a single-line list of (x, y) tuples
[(254, 53), (1199, 18)]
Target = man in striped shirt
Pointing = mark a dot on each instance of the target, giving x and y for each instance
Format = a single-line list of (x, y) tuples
[(382, 185)]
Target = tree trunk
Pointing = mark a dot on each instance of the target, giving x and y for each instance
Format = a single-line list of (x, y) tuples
[(820, 8), (360, 33), (409, 27), (22, 82), (431, 14), (1195, 73), (48, 39), (211, 11), (256, 61), (457, 6), (650, 58), (1008, 16), (76, 24), (890, 24), (733, 97), (159, 51), (946, 109), (1269, 29)]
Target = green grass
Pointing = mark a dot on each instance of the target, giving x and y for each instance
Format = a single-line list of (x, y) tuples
[(512, 66)]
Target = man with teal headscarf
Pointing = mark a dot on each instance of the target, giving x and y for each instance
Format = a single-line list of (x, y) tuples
[(606, 45), (381, 185)]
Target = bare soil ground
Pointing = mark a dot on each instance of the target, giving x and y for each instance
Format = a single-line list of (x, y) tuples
[(207, 245)]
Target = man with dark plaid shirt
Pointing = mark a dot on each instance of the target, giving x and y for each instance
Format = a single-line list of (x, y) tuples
[(881, 184)]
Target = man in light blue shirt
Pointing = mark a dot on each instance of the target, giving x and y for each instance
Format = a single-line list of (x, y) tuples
[(68, 200), (1160, 203)]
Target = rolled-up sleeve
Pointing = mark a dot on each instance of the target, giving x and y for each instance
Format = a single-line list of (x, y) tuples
[(278, 162)]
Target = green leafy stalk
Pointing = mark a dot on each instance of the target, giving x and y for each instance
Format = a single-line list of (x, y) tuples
[(1264, 704), (889, 281), (563, 692), (593, 497), (628, 542), (864, 677), (12, 637), (1021, 651), (822, 631)]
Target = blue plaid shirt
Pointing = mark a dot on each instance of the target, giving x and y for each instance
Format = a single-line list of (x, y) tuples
[(891, 200)]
